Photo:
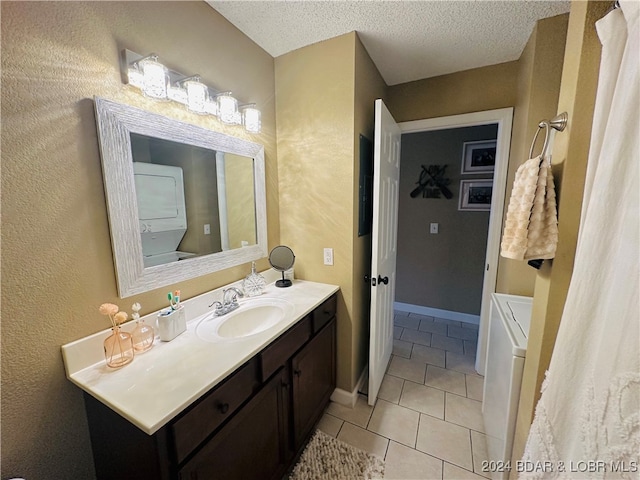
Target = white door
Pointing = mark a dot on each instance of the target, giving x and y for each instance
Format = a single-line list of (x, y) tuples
[(386, 175)]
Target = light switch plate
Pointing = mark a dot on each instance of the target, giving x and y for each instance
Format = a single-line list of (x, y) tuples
[(207, 229), (433, 228)]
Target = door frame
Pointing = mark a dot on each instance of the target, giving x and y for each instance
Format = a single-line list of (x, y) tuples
[(503, 117)]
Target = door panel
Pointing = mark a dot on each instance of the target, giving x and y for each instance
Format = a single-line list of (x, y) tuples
[(386, 175)]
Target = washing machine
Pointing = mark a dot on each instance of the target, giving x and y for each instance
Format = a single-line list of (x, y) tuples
[(506, 350)]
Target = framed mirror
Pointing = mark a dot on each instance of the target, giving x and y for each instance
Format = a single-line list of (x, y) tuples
[(183, 201)]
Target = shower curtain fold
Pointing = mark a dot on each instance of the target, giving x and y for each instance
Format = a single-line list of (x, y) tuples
[(589, 410)]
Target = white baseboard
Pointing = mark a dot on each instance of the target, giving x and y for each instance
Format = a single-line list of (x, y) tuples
[(436, 312), (348, 399)]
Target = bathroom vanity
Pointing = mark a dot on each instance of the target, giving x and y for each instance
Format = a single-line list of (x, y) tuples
[(250, 421)]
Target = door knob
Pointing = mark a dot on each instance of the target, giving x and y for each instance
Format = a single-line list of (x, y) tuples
[(384, 280)]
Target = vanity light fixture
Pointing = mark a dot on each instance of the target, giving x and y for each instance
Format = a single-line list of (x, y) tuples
[(157, 81), (251, 118), (227, 108), (150, 76), (197, 94)]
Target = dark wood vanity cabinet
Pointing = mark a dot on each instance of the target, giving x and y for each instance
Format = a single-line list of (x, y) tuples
[(254, 442), (313, 381), (251, 426)]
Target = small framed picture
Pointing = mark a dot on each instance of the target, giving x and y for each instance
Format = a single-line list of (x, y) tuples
[(478, 157), (475, 195)]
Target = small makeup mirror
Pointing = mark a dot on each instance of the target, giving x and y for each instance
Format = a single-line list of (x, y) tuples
[(282, 258)]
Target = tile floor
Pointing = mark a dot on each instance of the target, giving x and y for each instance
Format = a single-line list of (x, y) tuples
[(427, 422)]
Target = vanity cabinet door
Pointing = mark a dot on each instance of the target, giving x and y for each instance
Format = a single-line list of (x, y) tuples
[(314, 379), (213, 410), (253, 445)]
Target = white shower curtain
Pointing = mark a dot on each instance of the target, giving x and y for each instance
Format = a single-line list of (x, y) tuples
[(587, 422)]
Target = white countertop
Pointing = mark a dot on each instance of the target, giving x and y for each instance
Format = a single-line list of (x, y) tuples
[(162, 382)]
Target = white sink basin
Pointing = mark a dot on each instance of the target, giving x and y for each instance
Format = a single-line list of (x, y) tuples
[(254, 316)]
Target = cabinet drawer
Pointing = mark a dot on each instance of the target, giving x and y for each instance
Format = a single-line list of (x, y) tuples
[(324, 313), (190, 430), (277, 354)]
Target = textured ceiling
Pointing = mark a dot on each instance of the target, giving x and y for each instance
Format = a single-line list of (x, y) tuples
[(407, 40)]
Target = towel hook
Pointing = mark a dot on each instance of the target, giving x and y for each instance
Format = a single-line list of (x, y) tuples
[(558, 123)]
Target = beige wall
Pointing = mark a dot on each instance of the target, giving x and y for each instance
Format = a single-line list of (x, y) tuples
[(476, 90), (324, 99), (57, 265), (315, 116), (539, 71), (570, 152)]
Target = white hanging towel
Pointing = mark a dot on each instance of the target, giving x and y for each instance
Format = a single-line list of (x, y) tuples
[(531, 227)]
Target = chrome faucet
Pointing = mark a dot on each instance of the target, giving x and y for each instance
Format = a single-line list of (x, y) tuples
[(235, 293), (229, 301)]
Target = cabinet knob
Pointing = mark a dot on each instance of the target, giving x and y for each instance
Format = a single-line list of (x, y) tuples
[(297, 373), (223, 408)]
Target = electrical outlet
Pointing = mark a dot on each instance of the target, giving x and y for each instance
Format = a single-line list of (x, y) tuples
[(433, 228), (328, 256), (207, 229)]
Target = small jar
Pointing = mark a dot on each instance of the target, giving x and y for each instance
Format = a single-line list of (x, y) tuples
[(142, 336)]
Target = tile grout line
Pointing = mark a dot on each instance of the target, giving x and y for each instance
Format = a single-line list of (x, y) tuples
[(445, 392)]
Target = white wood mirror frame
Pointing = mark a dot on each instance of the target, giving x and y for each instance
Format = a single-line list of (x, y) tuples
[(115, 123)]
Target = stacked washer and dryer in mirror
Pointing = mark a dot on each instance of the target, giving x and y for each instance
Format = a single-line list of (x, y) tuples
[(162, 212)]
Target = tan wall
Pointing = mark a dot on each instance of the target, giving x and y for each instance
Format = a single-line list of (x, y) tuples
[(57, 265), (325, 97), (475, 90), (315, 118), (570, 152), (539, 71)]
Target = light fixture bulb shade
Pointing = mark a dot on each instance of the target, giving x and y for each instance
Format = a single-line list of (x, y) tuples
[(197, 95), (227, 107), (155, 78), (177, 94), (251, 120)]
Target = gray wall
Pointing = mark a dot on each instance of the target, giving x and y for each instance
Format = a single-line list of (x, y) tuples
[(443, 270)]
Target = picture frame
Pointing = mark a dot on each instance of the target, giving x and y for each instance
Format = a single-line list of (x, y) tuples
[(475, 195), (478, 157)]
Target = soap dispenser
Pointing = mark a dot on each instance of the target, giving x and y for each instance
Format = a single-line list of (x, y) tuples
[(254, 283)]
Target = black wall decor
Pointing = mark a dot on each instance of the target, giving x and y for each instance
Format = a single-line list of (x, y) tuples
[(365, 217), (432, 183)]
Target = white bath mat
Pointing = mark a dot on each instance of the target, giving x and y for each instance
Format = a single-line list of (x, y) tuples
[(326, 458)]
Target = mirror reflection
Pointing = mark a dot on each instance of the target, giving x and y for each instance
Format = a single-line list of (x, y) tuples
[(191, 200)]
